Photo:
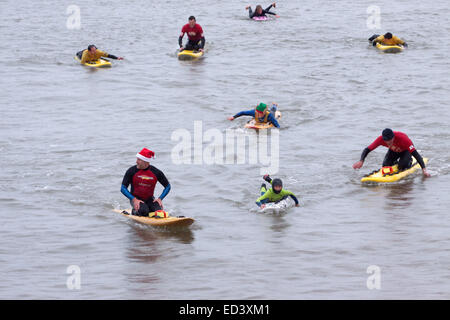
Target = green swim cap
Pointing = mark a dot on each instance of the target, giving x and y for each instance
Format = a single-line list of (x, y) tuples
[(261, 107)]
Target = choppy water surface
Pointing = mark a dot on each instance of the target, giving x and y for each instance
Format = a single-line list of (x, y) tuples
[(68, 134)]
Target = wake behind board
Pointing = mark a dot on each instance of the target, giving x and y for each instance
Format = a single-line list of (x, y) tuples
[(189, 55), (389, 49), (261, 126), (378, 176), (100, 63), (158, 222)]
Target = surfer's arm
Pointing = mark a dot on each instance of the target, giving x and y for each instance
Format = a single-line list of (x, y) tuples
[(419, 158), (163, 180), (245, 113), (294, 198), (250, 12), (364, 154), (260, 199), (126, 193), (165, 192), (180, 39), (111, 56), (84, 57), (202, 42), (272, 119), (292, 195)]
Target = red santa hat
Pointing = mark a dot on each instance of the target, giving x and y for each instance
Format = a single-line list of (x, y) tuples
[(145, 155)]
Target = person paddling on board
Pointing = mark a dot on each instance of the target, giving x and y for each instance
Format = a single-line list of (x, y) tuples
[(261, 114), (274, 194), (143, 178), (196, 39), (400, 147), (387, 39), (92, 54), (260, 12)]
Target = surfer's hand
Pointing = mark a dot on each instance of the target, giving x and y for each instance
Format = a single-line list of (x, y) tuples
[(358, 164), (267, 178), (231, 118), (274, 5), (426, 173), (297, 205), (246, 8), (201, 50), (263, 206), (159, 202), (120, 58), (136, 203), (181, 49)]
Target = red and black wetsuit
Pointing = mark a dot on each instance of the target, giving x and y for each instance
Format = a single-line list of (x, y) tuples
[(143, 183), (196, 39), (402, 149)]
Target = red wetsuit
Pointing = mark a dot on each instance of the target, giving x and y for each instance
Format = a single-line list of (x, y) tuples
[(401, 143), (195, 34)]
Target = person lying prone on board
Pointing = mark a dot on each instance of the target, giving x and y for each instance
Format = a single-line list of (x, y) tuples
[(387, 39), (274, 194), (143, 178), (400, 147), (260, 12), (92, 54), (260, 114)]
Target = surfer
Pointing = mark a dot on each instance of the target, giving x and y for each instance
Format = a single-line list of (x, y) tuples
[(143, 178), (400, 151), (92, 54), (274, 194), (387, 39), (261, 114), (259, 11), (196, 39)]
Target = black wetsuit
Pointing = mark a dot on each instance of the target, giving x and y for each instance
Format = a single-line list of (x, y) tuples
[(252, 13)]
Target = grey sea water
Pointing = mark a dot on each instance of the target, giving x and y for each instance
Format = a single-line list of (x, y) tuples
[(68, 134)]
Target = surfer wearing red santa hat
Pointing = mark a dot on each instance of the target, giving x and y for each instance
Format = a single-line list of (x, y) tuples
[(143, 178)]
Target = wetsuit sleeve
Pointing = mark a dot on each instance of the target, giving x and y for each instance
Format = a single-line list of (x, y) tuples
[(126, 182), (377, 39), (245, 113), (202, 42), (180, 40), (294, 198), (250, 13), (126, 193), (264, 196), (267, 10), (419, 158), (272, 119), (292, 195), (398, 40), (112, 56), (163, 180), (378, 141), (364, 154), (84, 56)]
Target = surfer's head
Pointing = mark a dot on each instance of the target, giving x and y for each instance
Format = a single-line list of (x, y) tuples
[(388, 136), (92, 48), (192, 21), (143, 158), (388, 35), (259, 9), (277, 185), (260, 108)]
